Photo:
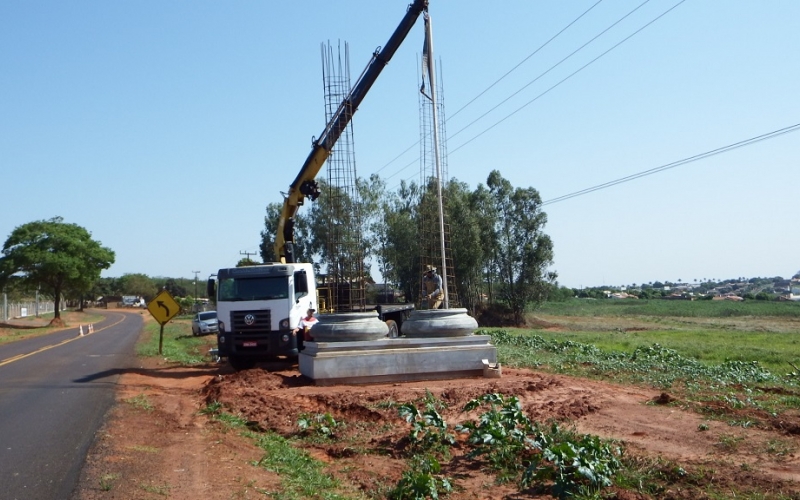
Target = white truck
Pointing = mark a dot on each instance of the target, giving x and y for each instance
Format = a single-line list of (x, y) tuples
[(258, 307)]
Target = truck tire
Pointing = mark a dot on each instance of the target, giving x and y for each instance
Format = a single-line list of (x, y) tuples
[(239, 364), (394, 330)]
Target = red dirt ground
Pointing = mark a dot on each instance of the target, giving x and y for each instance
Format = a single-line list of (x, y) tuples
[(172, 451)]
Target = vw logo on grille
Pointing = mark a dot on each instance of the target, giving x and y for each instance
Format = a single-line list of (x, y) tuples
[(249, 320)]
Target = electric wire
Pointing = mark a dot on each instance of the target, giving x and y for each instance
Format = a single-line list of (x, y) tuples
[(545, 44), (678, 163), (565, 28), (606, 52), (551, 68), (568, 76)]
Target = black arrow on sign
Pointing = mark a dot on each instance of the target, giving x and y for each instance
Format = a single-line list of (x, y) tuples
[(162, 304)]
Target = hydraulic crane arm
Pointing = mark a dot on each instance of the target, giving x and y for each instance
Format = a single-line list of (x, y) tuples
[(305, 185)]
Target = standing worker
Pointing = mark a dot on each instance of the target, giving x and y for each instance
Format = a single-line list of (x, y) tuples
[(432, 283)]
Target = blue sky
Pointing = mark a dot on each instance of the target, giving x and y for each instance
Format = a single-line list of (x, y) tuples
[(165, 128)]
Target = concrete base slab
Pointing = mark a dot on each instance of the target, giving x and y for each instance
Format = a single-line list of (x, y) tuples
[(396, 360)]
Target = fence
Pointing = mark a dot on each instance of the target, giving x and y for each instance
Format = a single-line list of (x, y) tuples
[(11, 310)]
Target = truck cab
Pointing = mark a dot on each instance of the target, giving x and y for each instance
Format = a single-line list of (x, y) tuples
[(258, 307)]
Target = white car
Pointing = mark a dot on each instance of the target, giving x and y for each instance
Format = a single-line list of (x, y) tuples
[(205, 322)]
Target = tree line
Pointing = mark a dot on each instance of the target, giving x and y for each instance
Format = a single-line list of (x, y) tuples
[(501, 256), (61, 260)]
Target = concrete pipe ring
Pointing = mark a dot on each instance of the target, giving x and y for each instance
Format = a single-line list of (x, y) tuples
[(440, 323), (349, 327)]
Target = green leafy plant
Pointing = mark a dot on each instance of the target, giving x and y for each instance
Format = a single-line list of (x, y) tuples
[(502, 434), (578, 465), (320, 424), (421, 481), (574, 465), (428, 428)]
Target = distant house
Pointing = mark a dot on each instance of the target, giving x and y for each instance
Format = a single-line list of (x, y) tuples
[(731, 297)]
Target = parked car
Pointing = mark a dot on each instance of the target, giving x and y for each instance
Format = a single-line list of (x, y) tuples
[(205, 322)]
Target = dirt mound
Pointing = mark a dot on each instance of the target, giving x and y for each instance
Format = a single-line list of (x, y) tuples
[(197, 458)]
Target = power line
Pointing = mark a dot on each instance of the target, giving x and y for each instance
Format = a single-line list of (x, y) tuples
[(678, 163), (567, 77), (551, 68), (545, 44), (556, 84), (565, 28)]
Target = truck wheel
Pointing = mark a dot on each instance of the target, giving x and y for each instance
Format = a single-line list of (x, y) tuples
[(394, 331), (239, 364)]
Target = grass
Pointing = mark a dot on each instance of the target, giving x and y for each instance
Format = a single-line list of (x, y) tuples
[(178, 343), (107, 481), (774, 351), (671, 308), (730, 442), (301, 475), (140, 401), (28, 326), (723, 355), (145, 449), (158, 489)]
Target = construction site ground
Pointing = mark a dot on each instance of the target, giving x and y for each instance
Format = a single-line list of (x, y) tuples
[(171, 450)]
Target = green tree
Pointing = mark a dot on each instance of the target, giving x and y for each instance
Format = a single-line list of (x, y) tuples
[(301, 235), (523, 251), (337, 229), (467, 220), (399, 242), (485, 213), (174, 287), (139, 284), (372, 194), (105, 287), (57, 256)]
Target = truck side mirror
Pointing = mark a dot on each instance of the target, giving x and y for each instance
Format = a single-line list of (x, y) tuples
[(211, 288)]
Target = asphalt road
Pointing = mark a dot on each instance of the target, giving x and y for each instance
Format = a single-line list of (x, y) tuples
[(54, 393)]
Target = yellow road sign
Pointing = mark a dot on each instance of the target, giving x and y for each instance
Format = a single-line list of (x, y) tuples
[(163, 307)]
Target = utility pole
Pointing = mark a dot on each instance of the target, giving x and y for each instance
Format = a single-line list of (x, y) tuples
[(195, 285), (246, 253)]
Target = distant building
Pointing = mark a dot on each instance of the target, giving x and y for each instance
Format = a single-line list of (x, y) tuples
[(731, 297)]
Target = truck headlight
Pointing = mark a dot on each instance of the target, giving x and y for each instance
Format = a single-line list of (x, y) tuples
[(285, 323), (221, 326)]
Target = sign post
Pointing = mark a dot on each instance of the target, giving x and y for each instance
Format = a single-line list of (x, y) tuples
[(163, 308)]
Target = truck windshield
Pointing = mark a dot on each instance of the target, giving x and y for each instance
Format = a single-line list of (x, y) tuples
[(253, 288)]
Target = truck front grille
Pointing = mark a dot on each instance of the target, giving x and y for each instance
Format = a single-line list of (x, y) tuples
[(252, 321)]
